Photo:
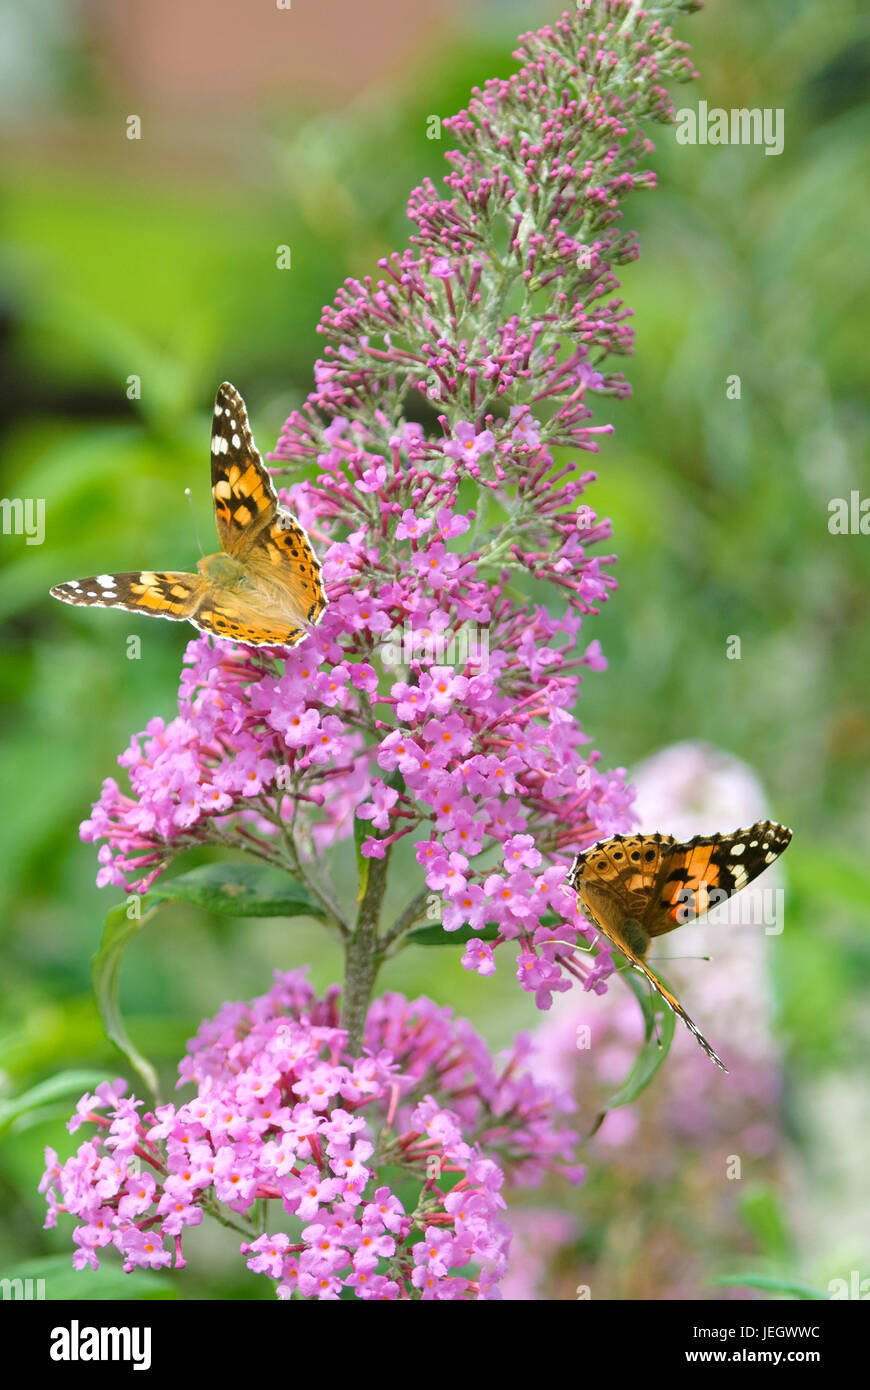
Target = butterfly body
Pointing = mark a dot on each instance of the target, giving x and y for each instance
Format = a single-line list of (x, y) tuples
[(263, 588), (632, 934), (223, 569), (638, 887)]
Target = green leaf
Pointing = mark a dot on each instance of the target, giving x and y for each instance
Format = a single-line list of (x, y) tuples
[(65, 1284), (234, 890), (435, 935), (656, 1045), (761, 1209), (58, 1087), (771, 1283), (239, 890), (118, 932)]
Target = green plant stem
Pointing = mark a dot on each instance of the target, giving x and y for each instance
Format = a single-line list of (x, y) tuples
[(363, 956)]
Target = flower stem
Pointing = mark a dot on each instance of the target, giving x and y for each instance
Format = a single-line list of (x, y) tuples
[(363, 956)]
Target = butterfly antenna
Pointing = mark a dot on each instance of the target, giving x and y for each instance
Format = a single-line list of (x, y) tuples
[(193, 514), (657, 959)]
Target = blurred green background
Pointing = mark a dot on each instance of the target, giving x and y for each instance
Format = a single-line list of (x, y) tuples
[(156, 258)]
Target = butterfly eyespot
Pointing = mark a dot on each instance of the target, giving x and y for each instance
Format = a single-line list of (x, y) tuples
[(650, 854), (635, 856), (617, 854)]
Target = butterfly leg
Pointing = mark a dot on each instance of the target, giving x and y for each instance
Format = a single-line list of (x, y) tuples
[(587, 949)]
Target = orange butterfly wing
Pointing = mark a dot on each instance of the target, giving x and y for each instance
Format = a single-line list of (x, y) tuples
[(252, 525), (179, 596), (244, 496), (238, 618), (698, 874), (270, 597), (635, 888), (160, 593)]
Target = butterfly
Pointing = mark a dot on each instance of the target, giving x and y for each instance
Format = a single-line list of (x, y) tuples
[(263, 587), (637, 887)]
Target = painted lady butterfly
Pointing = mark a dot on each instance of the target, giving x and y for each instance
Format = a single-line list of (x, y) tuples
[(263, 587), (637, 887)]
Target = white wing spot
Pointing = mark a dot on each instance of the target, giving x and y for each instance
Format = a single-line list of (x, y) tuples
[(219, 444), (737, 849), (218, 409), (106, 581), (237, 443)]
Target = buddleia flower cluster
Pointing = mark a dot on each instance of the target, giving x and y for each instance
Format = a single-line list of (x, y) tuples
[(428, 721), (287, 1136), (435, 702)]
